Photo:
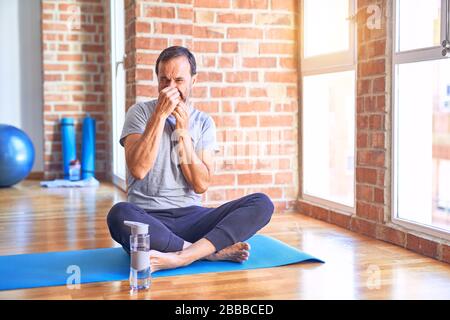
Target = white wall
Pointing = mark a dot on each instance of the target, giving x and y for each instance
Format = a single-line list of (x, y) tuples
[(21, 70)]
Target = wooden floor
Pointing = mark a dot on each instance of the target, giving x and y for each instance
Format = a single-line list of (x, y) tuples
[(38, 220)]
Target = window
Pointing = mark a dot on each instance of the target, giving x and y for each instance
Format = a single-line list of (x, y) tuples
[(421, 116), (118, 88), (328, 108)]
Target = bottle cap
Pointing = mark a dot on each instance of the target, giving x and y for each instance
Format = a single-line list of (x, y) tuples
[(137, 227), (74, 162)]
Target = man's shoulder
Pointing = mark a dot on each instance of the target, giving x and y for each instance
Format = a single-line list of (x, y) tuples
[(143, 107)]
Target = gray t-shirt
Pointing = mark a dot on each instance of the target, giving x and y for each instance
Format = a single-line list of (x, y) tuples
[(165, 186)]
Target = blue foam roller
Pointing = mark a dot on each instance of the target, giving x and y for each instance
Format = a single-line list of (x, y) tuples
[(68, 144), (88, 148)]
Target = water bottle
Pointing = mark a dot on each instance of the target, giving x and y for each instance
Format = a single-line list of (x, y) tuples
[(140, 272), (74, 170)]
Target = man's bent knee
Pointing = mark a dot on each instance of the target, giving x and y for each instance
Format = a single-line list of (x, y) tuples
[(265, 205), (116, 213)]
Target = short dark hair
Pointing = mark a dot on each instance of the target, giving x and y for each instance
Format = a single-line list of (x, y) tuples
[(174, 52)]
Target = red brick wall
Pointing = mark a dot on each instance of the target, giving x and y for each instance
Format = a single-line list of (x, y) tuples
[(246, 53), (73, 58), (373, 130)]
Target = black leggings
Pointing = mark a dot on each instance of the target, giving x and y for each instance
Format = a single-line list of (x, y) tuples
[(223, 226)]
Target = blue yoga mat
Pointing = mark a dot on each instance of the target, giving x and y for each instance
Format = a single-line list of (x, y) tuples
[(111, 264)]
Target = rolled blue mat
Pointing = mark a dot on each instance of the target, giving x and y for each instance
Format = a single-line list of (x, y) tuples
[(68, 144), (88, 148)]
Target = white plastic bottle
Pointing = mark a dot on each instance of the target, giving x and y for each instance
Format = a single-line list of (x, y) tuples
[(140, 272)]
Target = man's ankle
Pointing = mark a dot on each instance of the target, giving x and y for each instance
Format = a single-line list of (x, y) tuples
[(184, 258), (186, 244)]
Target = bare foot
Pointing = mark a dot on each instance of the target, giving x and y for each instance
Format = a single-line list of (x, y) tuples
[(238, 252), (165, 260)]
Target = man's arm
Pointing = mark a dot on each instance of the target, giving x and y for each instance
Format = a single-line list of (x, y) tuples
[(197, 169), (141, 149)]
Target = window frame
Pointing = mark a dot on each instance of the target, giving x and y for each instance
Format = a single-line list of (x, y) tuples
[(116, 179), (398, 58), (328, 63), (323, 64)]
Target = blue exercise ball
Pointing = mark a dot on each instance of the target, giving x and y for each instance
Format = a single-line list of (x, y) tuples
[(16, 155)]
